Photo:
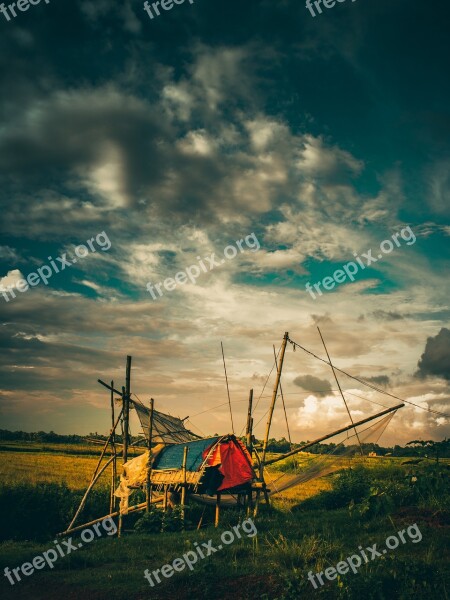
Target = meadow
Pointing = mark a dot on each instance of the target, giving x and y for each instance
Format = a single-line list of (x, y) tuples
[(310, 528)]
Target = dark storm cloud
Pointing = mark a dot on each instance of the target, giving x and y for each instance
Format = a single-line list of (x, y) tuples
[(381, 380), (72, 130), (383, 315), (320, 387), (435, 361), (113, 149)]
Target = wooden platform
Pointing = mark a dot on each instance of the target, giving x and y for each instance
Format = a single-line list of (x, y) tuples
[(173, 477)]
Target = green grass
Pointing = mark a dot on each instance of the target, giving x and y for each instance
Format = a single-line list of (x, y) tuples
[(298, 536), (276, 562)]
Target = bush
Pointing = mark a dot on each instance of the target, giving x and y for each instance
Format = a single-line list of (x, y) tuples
[(150, 522), (157, 521), (38, 512)]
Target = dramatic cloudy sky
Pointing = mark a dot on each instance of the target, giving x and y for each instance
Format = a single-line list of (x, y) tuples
[(180, 135)]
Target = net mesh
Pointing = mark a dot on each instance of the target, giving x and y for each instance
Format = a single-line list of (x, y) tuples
[(313, 466), (165, 429)]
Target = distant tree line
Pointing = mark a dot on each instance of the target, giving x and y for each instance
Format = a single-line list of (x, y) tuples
[(421, 448), (414, 448), (40, 436)]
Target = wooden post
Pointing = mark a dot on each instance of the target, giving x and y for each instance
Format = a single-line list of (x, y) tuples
[(249, 423), (272, 404), (149, 461), (166, 492), (284, 405), (126, 410), (249, 502), (183, 489), (255, 511), (113, 446), (126, 418), (217, 518)]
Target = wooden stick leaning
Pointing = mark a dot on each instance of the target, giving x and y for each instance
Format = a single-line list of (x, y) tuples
[(149, 460), (96, 474)]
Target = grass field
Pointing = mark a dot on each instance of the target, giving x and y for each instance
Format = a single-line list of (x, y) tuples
[(51, 463), (311, 527)]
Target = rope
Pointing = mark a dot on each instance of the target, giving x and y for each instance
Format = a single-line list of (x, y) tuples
[(261, 395), (284, 405), (228, 389), (339, 386), (374, 387)]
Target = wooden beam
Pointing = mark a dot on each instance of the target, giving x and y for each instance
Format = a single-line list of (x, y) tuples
[(136, 507), (109, 387), (330, 435)]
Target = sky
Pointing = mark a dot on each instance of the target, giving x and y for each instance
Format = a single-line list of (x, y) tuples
[(309, 140)]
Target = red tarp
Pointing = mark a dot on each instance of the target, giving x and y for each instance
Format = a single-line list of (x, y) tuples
[(235, 464)]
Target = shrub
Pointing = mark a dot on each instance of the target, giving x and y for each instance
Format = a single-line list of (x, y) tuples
[(150, 522), (38, 512)]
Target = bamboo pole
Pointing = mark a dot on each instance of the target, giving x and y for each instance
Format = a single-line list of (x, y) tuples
[(109, 387), (249, 502), (183, 489), (96, 474), (272, 404), (217, 517), (113, 445), (282, 401), (149, 460), (166, 492), (126, 417), (126, 409), (136, 507), (91, 485), (106, 446), (248, 432), (339, 387), (330, 435), (125, 440), (228, 390)]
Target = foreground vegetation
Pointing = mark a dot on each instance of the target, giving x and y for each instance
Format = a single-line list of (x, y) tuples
[(311, 527)]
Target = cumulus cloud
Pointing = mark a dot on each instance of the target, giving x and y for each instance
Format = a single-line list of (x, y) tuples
[(177, 148)]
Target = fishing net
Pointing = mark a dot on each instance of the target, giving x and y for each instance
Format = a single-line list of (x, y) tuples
[(165, 429), (306, 468)]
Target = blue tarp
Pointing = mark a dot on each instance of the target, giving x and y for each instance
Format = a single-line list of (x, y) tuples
[(172, 456)]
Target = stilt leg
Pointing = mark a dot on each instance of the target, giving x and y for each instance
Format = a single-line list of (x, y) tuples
[(216, 521)]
